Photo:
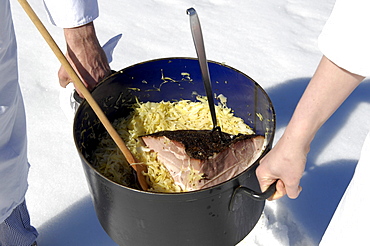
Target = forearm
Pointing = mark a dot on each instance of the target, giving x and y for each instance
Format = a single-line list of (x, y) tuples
[(86, 55), (327, 90)]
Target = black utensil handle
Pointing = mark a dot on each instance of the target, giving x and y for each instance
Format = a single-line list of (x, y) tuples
[(258, 196)]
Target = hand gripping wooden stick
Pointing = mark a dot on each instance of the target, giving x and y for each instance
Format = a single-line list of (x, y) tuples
[(139, 168)]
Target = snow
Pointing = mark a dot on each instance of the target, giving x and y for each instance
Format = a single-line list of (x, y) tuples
[(273, 41)]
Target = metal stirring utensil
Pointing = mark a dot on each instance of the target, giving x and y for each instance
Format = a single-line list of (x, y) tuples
[(196, 32)]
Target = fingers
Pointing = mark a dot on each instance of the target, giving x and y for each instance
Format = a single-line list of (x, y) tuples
[(284, 186), (280, 191)]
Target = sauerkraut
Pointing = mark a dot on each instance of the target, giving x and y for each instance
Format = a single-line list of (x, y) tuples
[(150, 117)]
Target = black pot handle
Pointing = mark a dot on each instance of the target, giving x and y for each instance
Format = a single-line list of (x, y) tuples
[(258, 196)]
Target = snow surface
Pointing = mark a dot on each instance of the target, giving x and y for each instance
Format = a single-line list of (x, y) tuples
[(273, 41)]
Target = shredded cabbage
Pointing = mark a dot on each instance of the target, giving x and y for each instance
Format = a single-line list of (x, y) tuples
[(151, 117)]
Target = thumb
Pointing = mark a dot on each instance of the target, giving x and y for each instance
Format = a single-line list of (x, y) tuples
[(293, 191), (64, 78)]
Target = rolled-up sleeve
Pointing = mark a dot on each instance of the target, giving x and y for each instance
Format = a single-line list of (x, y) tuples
[(71, 13), (345, 39)]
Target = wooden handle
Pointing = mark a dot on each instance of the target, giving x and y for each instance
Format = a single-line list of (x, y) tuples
[(84, 91)]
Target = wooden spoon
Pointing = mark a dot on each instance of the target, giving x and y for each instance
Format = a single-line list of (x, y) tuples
[(139, 168)]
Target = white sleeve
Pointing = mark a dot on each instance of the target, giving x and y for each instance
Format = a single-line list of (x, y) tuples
[(71, 13), (345, 39)]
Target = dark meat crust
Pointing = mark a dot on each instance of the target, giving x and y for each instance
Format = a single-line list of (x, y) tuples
[(202, 144)]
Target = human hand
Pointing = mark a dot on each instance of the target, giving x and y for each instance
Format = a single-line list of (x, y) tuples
[(85, 55), (285, 163)]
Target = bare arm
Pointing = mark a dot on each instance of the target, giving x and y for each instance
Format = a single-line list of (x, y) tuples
[(327, 90), (85, 55)]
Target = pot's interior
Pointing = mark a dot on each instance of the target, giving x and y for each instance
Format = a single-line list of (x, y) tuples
[(173, 79)]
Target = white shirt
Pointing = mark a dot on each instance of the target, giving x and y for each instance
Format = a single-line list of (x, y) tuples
[(345, 39), (71, 13)]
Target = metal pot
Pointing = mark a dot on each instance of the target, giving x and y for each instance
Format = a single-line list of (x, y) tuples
[(220, 215)]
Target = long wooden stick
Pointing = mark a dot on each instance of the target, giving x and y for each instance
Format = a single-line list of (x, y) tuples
[(85, 92)]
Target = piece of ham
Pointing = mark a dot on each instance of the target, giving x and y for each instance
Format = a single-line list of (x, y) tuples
[(217, 156)]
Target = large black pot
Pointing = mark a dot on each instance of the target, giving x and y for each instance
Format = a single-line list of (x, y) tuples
[(221, 215)]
